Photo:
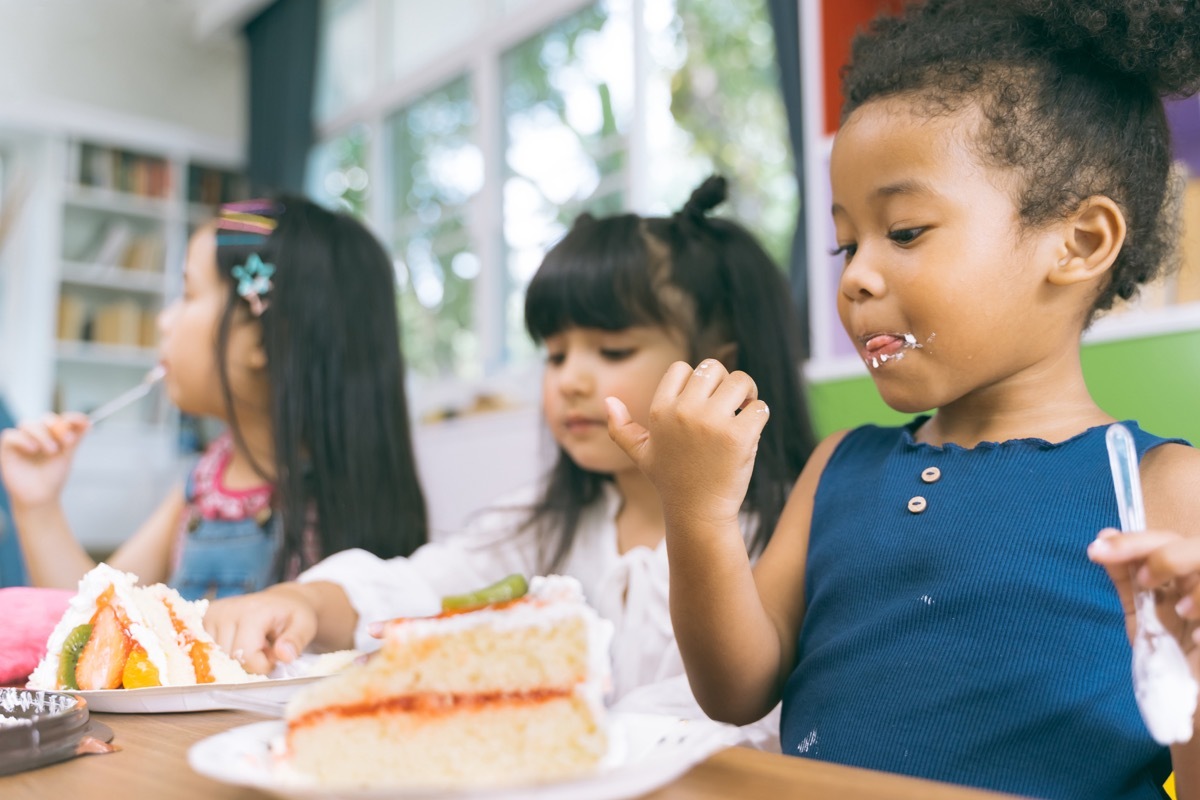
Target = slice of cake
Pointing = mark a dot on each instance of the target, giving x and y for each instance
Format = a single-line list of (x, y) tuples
[(116, 634), (507, 693)]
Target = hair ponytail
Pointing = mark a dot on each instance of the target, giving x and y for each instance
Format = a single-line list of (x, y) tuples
[(742, 293)]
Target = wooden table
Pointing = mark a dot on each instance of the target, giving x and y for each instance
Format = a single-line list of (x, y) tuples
[(153, 763)]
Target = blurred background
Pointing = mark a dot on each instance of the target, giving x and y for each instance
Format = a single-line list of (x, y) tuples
[(468, 134)]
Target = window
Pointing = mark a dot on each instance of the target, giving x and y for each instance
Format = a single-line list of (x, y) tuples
[(497, 123), (437, 168)]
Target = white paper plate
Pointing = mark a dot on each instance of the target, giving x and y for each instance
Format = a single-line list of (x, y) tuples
[(201, 697), (646, 751)]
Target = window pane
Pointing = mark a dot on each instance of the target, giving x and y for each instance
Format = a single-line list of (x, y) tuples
[(337, 172), (346, 57), (436, 169), (714, 105), (567, 101)]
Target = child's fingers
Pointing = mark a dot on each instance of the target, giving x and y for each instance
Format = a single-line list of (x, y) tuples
[(19, 440), (673, 382), (44, 442), (734, 393), (754, 418), (629, 435), (708, 376), (1113, 548)]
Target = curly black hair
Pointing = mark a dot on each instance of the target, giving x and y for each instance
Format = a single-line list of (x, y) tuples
[(1071, 95)]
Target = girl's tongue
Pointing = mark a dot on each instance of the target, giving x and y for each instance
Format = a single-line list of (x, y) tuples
[(884, 344)]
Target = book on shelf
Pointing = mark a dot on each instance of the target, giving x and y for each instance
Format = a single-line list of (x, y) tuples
[(144, 253), (72, 317), (119, 323), (123, 171), (211, 186), (112, 247)]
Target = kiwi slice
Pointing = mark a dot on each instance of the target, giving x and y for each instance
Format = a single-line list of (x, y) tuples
[(501, 591), (69, 656)]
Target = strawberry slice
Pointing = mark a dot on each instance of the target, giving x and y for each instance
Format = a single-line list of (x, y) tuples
[(102, 661)]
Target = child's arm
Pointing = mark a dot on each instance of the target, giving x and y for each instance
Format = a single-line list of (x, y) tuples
[(35, 460), (1168, 552), (736, 628)]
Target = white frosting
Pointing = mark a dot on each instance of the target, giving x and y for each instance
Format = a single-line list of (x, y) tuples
[(148, 609), (15, 722), (1162, 680), (80, 611)]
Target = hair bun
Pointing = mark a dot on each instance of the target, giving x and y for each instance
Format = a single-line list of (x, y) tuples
[(1155, 41), (705, 197)]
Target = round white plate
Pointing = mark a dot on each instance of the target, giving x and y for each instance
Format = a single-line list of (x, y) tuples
[(646, 751), (257, 695)]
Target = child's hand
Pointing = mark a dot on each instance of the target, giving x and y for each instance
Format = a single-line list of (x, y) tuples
[(35, 457), (1153, 559), (703, 435), (265, 627)]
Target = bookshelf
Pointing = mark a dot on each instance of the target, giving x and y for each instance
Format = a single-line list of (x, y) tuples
[(126, 216), (96, 253)]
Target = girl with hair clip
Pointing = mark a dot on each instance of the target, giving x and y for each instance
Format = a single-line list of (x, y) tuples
[(615, 302), (927, 605), (286, 332)]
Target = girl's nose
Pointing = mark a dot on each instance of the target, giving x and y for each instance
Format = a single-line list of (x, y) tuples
[(861, 279), (575, 376)]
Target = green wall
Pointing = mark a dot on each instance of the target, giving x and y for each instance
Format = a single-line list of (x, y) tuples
[(1155, 380)]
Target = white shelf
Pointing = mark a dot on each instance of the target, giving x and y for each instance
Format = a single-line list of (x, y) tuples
[(107, 276), (111, 201), (111, 355)]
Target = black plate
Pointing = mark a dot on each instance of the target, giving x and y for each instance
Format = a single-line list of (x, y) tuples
[(41, 728)]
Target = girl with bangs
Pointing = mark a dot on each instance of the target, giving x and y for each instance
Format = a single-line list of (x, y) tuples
[(614, 303)]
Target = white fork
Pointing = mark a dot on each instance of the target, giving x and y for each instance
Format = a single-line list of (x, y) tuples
[(1162, 679)]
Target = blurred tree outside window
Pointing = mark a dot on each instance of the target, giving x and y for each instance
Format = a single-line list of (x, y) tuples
[(436, 169), (567, 103), (564, 94)]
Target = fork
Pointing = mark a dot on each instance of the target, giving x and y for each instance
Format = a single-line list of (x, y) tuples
[(129, 396), (1162, 679)]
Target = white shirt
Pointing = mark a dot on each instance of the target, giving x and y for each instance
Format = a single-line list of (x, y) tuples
[(629, 589)]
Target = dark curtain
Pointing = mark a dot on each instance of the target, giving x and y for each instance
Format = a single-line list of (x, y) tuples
[(785, 19), (282, 50)]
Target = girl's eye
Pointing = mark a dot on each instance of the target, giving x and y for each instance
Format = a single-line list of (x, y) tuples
[(848, 250), (905, 235), (616, 353), (555, 359)]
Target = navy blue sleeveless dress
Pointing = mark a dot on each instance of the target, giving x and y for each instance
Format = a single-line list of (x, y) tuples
[(955, 628)]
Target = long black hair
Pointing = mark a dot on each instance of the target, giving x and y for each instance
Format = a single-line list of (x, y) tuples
[(338, 410), (1071, 96), (706, 277)]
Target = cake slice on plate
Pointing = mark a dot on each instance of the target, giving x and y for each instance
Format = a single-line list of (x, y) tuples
[(116, 634), (485, 693)]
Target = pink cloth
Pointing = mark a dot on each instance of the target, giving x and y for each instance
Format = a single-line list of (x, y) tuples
[(27, 616)]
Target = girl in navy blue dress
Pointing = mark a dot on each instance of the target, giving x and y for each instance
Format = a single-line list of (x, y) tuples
[(287, 332), (927, 604)]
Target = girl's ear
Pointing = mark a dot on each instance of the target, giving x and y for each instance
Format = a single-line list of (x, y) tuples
[(1092, 239), (256, 357)]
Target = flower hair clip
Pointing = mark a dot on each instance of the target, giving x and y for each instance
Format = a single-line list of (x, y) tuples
[(254, 282)]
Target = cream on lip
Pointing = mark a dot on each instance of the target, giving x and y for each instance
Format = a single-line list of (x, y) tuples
[(883, 347)]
